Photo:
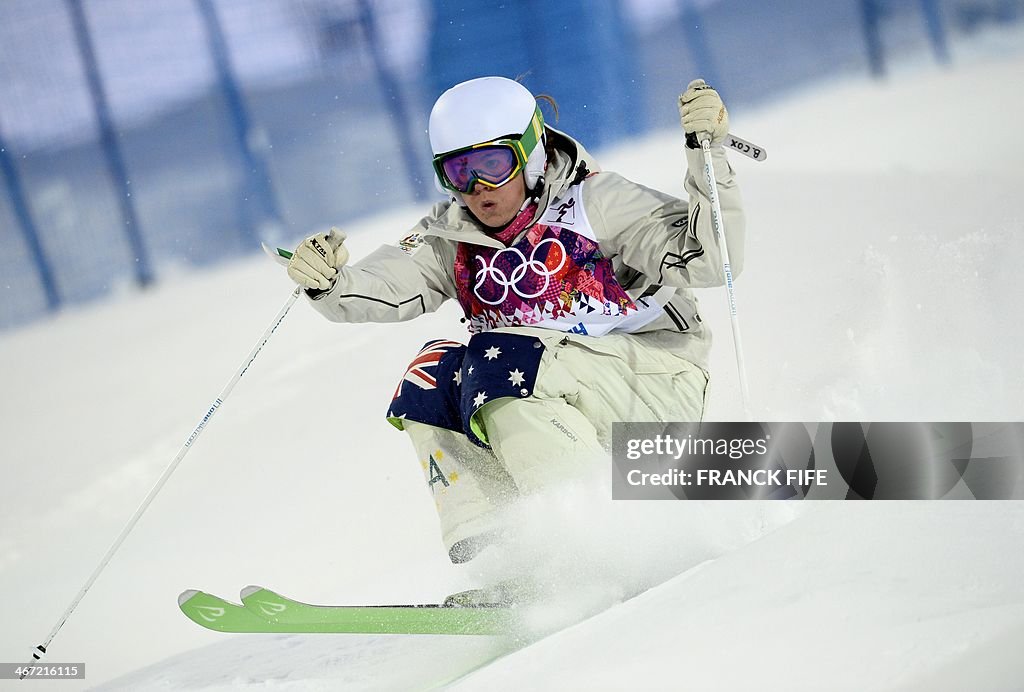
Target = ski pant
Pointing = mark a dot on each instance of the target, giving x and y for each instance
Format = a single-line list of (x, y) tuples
[(519, 409)]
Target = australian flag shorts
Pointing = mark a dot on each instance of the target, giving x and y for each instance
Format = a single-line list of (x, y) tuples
[(447, 382)]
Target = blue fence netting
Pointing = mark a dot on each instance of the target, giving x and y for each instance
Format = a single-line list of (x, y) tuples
[(138, 138)]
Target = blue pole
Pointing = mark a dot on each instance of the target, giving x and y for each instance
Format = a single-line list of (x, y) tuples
[(871, 21), (395, 103), (258, 189), (28, 226), (936, 30), (108, 140)]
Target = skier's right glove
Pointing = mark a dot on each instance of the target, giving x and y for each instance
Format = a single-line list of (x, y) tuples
[(315, 263)]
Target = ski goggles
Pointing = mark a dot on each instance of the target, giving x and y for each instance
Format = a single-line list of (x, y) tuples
[(491, 163)]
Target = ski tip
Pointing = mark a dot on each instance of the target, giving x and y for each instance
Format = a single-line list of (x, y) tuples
[(186, 596), (250, 590)]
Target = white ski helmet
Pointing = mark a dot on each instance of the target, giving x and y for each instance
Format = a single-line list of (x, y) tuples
[(488, 109)]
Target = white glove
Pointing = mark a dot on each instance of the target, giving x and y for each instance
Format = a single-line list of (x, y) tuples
[(703, 114), (316, 261)]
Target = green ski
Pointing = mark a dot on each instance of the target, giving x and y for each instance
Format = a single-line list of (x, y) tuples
[(266, 611)]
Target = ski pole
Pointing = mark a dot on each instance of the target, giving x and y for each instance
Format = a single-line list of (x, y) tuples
[(40, 650), (718, 226)]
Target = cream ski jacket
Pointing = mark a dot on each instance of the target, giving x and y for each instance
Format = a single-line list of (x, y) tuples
[(660, 246)]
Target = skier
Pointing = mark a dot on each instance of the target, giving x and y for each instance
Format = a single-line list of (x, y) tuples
[(575, 284)]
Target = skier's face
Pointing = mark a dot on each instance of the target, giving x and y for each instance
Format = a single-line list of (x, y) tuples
[(496, 207)]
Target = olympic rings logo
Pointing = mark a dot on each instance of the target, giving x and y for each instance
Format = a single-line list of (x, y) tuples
[(511, 281)]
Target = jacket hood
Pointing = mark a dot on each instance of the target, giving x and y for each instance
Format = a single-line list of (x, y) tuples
[(571, 164)]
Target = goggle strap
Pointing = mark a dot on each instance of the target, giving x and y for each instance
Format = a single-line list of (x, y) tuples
[(533, 133)]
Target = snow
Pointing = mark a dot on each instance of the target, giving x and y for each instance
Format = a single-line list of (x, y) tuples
[(879, 285), (813, 605)]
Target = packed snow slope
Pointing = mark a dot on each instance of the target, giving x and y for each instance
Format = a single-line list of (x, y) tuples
[(884, 238), (912, 599)]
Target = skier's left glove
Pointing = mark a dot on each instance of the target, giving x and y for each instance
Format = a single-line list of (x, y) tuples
[(703, 114), (315, 263)]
